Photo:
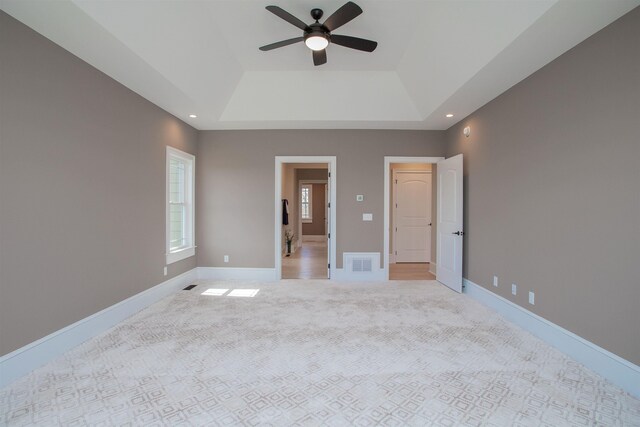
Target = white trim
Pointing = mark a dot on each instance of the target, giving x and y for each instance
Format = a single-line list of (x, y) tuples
[(392, 258), (343, 275), (331, 165), (24, 360), (614, 368), (189, 251), (180, 254), (387, 191), (237, 273), (433, 268)]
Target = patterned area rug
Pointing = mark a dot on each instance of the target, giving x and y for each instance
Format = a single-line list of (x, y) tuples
[(316, 353)]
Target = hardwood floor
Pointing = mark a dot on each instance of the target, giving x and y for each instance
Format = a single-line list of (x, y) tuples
[(308, 262), (410, 271)]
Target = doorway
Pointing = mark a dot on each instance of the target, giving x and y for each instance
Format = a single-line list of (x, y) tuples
[(410, 212), (411, 221), (305, 209)]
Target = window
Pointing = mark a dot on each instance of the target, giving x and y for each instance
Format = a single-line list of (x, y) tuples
[(306, 204), (180, 205)]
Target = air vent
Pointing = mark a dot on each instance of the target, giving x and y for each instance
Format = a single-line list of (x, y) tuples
[(361, 264)]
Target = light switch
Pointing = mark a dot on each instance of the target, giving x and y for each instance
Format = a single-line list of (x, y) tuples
[(359, 197), (367, 217)]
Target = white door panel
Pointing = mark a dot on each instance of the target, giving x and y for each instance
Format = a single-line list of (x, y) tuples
[(412, 216), (450, 227)]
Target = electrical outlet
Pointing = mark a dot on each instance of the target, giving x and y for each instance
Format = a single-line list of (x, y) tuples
[(226, 258), (514, 289), (532, 298), (495, 281), (165, 270)]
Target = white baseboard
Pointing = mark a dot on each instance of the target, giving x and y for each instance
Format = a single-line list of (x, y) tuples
[(392, 258), (342, 275), (433, 268), (233, 273), (25, 359), (614, 368)]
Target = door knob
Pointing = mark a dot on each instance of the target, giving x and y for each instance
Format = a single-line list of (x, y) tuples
[(459, 233)]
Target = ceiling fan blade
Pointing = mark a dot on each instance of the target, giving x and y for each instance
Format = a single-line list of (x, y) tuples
[(343, 15), (283, 43), (287, 17), (354, 42), (319, 57)]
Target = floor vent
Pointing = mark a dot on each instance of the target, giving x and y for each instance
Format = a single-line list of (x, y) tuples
[(188, 288)]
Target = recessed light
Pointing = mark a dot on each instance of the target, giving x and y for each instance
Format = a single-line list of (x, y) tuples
[(193, 116), (449, 115)]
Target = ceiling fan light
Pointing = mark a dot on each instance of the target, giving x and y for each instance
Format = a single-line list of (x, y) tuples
[(316, 42)]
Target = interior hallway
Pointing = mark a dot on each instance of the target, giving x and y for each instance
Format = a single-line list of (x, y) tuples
[(308, 262), (410, 271)]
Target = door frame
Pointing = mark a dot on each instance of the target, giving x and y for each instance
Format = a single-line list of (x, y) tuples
[(309, 181), (331, 163), (394, 234), (388, 160)]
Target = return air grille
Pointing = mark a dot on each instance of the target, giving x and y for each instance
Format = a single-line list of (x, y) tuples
[(361, 263)]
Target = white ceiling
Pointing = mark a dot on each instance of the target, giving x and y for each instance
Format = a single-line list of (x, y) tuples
[(433, 57)]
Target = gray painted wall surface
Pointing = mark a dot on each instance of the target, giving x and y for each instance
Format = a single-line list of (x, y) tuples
[(82, 184), (552, 181), (235, 187)]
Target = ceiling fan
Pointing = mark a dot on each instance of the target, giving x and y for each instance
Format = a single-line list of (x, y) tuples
[(317, 36)]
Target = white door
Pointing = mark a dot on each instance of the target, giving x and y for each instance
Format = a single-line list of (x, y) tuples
[(327, 202), (412, 216), (450, 230)]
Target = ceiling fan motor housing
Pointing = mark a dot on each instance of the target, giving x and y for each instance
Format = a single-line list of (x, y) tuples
[(317, 30)]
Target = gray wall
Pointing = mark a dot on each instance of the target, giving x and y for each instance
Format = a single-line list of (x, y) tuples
[(82, 173), (552, 181), (235, 187)]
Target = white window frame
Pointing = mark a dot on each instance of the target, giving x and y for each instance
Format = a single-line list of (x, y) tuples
[(189, 250), (308, 219)]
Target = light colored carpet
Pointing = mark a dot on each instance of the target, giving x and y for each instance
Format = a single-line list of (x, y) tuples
[(317, 353)]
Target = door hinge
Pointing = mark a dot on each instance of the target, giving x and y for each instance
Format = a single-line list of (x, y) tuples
[(329, 266), (329, 174), (396, 206), (329, 236), (396, 181), (396, 229)]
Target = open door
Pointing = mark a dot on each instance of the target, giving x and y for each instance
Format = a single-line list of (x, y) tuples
[(450, 230), (327, 229)]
